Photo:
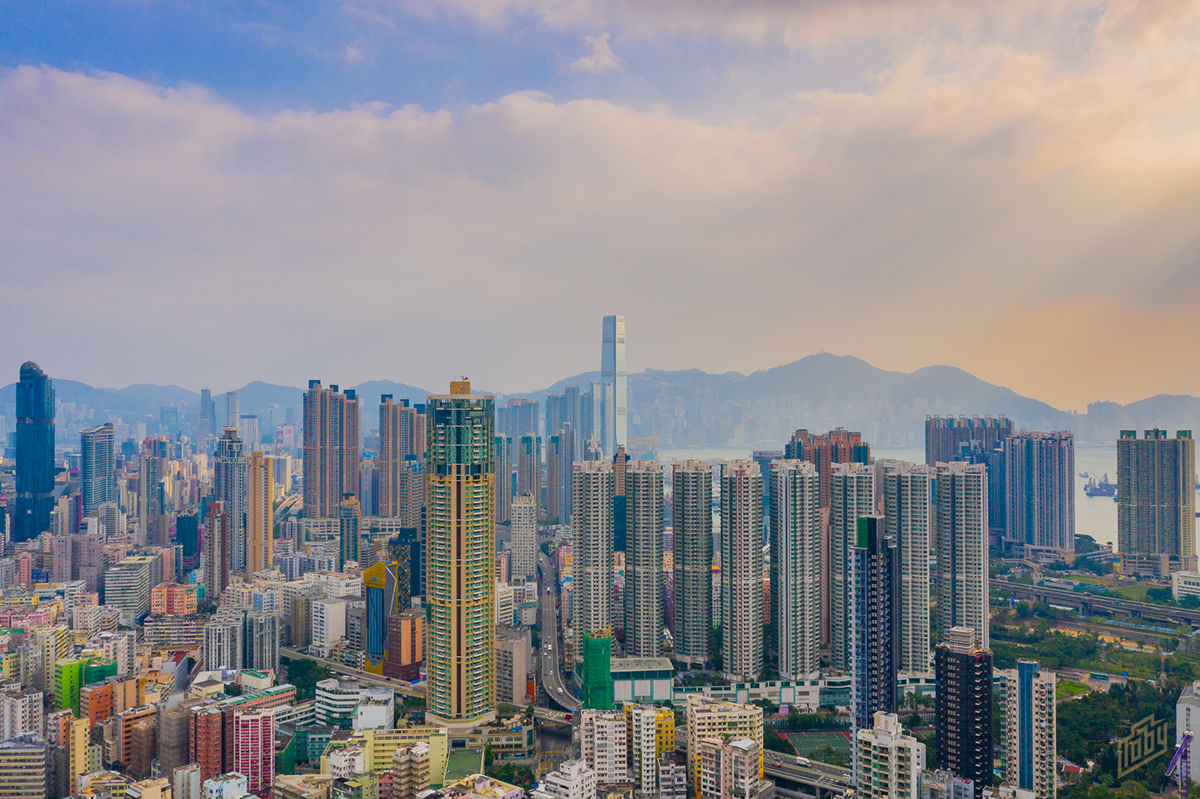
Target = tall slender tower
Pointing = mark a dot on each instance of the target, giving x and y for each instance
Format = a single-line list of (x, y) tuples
[(852, 494), (260, 494), (152, 500), (612, 378), (908, 520), (502, 468), (229, 486), (529, 467), (742, 569), (691, 508), (1040, 498), (644, 559), (560, 456), (962, 549), (875, 594), (461, 549), (35, 453), (592, 551), (1028, 728), (97, 466), (401, 456), (331, 449), (216, 549), (963, 715), (349, 532), (796, 567), (524, 538)]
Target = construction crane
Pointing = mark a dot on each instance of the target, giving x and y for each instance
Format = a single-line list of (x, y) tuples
[(1180, 762)]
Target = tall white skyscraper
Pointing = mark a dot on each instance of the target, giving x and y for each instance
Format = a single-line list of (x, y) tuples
[(908, 518), (643, 559), (851, 495), (613, 383), (796, 566), (962, 548), (97, 466), (524, 537), (742, 569), (1028, 728), (592, 551)]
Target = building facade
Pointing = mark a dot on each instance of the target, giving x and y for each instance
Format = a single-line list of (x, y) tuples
[(851, 495), (908, 520), (742, 569), (963, 709), (1156, 503), (592, 550), (1028, 728), (1040, 496), (874, 648), (962, 548), (795, 538), (644, 559), (692, 545)]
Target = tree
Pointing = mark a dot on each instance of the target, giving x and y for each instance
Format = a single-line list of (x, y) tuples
[(775, 742), (488, 758), (793, 719), (305, 674)]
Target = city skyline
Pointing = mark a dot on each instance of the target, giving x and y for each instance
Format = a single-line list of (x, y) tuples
[(735, 161)]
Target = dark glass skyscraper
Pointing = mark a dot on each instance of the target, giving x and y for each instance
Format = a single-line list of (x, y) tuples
[(963, 717), (874, 627), (35, 453)]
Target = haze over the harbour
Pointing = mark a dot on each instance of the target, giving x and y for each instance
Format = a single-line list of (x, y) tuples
[(205, 195)]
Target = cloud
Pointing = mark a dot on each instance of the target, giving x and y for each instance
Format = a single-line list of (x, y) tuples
[(601, 58), (1022, 213)]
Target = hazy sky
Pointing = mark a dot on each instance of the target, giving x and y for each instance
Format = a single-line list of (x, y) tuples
[(206, 193)]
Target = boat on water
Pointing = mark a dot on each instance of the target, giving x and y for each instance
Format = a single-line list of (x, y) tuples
[(1100, 488)]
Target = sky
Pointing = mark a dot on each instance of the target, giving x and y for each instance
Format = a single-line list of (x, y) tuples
[(209, 193)]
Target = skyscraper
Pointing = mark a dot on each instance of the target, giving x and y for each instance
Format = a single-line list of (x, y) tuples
[(461, 546), (963, 713), (875, 594), (260, 494), (254, 748), (620, 459), (208, 417), (401, 460), (560, 457), (263, 631), (825, 450), (1156, 518), (524, 538), (349, 532), (1041, 492), (962, 548), (795, 539), (1028, 728), (386, 590), (692, 537), (644, 559), (592, 551), (35, 453), (229, 486), (502, 468), (529, 467), (152, 499), (945, 436), (216, 548), (741, 569), (97, 466), (908, 519), (518, 417), (851, 495), (613, 381), (331, 449)]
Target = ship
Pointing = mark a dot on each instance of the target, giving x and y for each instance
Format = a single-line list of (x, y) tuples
[(1100, 488)]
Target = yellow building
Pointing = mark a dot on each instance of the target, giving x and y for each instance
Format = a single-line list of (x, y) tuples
[(380, 745), (708, 718), (650, 734), (460, 559), (260, 489)]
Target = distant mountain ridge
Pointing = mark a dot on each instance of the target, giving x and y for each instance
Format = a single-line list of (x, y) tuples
[(826, 388)]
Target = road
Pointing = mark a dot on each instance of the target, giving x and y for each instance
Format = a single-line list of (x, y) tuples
[(549, 658), (822, 777), (1060, 596), (400, 686)]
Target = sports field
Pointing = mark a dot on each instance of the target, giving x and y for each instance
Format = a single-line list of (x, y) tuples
[(808, 742)]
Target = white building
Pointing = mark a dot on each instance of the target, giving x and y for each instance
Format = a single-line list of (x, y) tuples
[(602, 738), (1185, 584), (851, 494), (908, 518), (504, 603), (344, 699), (225, 786), (223, 640), (1187, 717), (796, 566), (20, 712), (1027, 699), (574, 779), (328, 624), (742, 569), (888, 761), (592, 550), (523, 537), (962, 548)]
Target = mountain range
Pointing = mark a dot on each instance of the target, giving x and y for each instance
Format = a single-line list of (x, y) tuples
[(830, 382)]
